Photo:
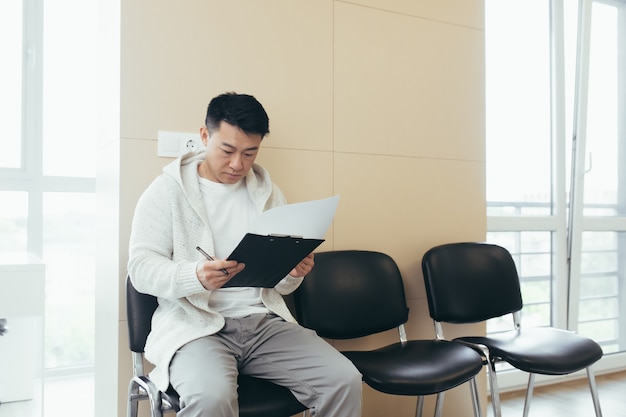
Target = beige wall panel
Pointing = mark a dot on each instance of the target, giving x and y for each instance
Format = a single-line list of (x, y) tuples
[(378, 404), (459, 12), (403, 206), (161, 64), (407, 86), (302, 176), (368, 342), (279, 51), (420, 325)]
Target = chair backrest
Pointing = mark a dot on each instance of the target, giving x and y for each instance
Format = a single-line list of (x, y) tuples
[(139, 310), (470, 282), (351, 294)]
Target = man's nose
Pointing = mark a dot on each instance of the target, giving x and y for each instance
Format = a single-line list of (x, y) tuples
[(236, 162)]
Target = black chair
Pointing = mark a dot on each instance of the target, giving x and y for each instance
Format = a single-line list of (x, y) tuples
[(257, 397), (473, 282), (350, 294)]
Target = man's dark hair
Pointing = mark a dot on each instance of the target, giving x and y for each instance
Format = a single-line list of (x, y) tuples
[(241, 110)]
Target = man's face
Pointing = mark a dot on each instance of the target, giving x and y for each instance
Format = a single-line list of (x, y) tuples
[(230, 153)]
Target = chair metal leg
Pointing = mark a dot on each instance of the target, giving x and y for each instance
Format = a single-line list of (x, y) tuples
[(439, 404), (529, 393), (156, 404), (594, 391), (420, 406), (475, 398), (493, 386), (132, 407)]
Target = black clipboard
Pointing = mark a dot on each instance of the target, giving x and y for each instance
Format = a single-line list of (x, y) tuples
[(268, 258)]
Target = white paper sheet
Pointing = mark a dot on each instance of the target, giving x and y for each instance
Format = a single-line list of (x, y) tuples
[(310, 219)]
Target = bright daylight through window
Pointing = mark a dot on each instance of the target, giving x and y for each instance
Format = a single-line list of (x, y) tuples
[(570, 248), (11, 83), (47, 165)]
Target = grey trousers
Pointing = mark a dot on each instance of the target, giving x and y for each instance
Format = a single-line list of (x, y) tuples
[(204, 371)]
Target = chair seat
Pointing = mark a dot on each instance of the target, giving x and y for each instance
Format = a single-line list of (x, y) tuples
[(261, 398), (257, 398), (397, 368), (541, 350)]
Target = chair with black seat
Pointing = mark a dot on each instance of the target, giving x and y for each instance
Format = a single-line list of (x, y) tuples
[(471, 282), (351, 294), (257, 397)]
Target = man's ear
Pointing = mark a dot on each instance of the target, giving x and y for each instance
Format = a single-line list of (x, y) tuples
[(204, 135)]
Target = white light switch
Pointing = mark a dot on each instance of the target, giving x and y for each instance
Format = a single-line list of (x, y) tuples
[(174, 144)]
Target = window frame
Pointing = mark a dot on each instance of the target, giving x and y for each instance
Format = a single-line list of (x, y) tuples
[(567, 247), (29, 177)]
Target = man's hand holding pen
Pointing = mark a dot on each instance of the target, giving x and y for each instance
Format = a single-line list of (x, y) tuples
[(214, 273)]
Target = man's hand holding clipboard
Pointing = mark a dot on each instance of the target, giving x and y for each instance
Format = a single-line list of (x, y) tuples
[(281, 242)]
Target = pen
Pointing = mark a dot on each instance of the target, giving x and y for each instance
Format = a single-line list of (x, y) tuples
[(210, 258)]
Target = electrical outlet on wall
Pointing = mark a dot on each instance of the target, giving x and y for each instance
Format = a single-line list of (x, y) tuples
[(174, 144)]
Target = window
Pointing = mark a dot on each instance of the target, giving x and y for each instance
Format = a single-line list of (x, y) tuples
[(70, 111), (13, 221), (69, 252), (47, 171), (11, 47), (518, 74), (556, 152)]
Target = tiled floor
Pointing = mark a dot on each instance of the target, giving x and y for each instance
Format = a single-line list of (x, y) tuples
[(63, 397)]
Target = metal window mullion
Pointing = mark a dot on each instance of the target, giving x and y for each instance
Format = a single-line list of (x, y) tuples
[(32, 89), (559, 171), (32, 120), (621, 133), (578, 160)]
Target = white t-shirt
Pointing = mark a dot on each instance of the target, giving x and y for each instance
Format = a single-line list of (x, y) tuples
[(230, 213)]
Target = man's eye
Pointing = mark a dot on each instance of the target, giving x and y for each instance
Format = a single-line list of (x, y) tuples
[(227, 152)]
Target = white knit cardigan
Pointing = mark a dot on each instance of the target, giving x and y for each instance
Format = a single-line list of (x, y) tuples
[(169, 222)]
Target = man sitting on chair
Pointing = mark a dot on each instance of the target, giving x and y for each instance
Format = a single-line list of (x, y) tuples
[(204, 335)]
